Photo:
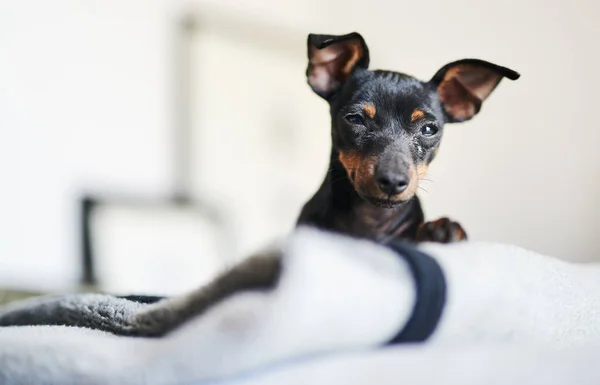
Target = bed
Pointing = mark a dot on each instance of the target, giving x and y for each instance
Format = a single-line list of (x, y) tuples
[(339, 311)]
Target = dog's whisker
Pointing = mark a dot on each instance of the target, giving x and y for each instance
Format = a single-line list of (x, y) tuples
[(337, 180), (348, 170), (340, 178)]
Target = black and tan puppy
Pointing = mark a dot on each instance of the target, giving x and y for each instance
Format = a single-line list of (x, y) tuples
[(386, 128)]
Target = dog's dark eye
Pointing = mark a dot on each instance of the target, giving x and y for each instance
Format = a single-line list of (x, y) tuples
[(354, 119), (429, 130)]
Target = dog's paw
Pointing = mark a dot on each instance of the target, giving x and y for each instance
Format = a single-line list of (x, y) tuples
[(442, 230)]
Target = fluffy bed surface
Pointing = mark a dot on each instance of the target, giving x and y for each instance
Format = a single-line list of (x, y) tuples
[(512, 316)]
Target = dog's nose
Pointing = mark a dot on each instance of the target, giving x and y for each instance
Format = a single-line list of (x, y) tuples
[(392, 183)]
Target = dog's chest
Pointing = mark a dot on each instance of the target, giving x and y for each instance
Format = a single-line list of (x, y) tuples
[(369, 221)]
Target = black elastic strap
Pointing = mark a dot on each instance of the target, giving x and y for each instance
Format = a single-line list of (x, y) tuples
[(430, 286), (145, 299)]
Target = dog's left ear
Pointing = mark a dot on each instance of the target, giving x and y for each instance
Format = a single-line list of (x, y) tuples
[(331, 60), (464, 85)]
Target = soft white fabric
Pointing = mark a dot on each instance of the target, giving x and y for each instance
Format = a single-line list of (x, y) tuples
[(505, 293), (338, 295), (485, 364)]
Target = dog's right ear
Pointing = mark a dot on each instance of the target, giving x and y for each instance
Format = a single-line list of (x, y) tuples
[(331, 60)]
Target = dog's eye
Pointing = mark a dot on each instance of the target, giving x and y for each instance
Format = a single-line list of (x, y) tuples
[(429, 130), (354, 119)]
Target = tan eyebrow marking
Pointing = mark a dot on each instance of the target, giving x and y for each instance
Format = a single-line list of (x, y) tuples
[(370, 110), (417, 114)]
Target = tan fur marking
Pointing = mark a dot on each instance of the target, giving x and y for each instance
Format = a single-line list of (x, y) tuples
[(365, 176), (417, 114), (422, 170), (350, 160), (360, 171), (413, 184), (357, 53), (369, 110)]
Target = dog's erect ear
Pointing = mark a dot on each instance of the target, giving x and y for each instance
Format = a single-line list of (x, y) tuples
[(331, 59), (463, 85)]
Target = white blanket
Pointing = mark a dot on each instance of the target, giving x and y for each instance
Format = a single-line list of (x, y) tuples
[(338, 295)]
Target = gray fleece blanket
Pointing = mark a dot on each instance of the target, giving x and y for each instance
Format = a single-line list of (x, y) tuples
[(114, 314)]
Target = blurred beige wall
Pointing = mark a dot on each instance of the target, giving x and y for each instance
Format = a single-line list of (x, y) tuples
[(86, 105)]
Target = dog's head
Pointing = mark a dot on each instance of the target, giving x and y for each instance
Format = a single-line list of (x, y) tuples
[(387, 126)]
